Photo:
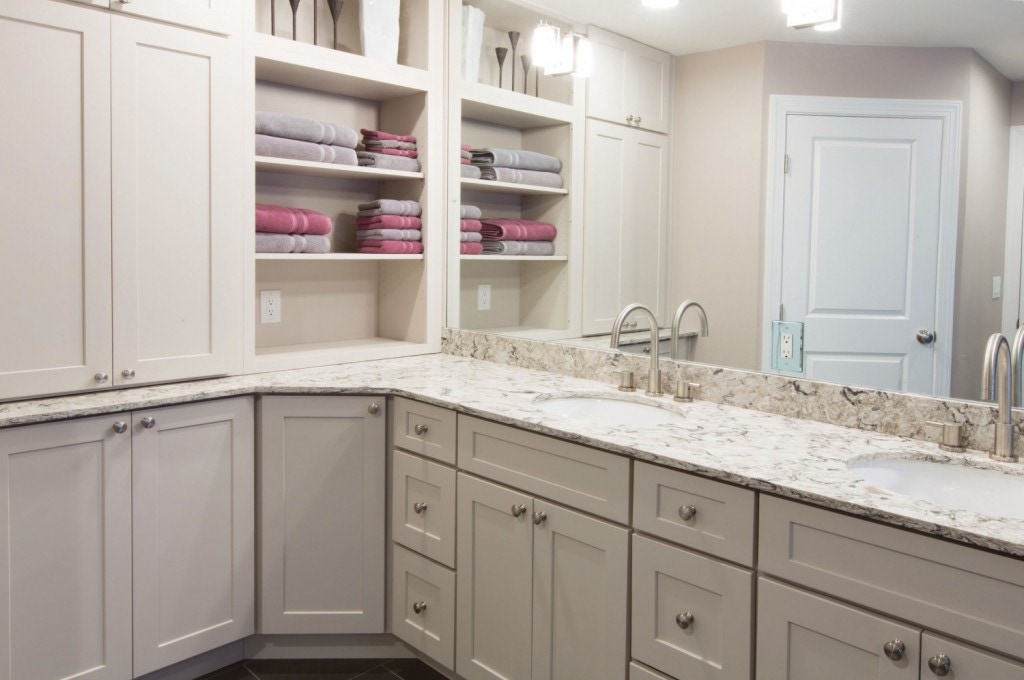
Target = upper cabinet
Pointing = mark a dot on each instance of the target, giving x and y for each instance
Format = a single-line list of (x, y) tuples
[(631, 82), (216, 16)]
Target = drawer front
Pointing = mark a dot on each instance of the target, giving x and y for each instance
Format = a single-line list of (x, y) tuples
[(965, 663), (423, 507), (668, 584), (695, 512), (638, 672), (943, 586), (423, 605), (424, 429), (581, 477)]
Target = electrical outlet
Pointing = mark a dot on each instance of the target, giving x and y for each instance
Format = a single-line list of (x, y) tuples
[(997, 287), (270, 306), (786, 345), (483, 297)]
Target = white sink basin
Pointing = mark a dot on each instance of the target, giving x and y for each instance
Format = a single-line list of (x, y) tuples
[(608, 410), (988, 492)]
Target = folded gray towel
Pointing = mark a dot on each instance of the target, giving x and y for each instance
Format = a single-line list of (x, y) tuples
[(470, 236), (390, 206), (386, 162), (279, 147), (470, 171), (468, 155), (514, 158), (304, 129), (389, 144), (519, 247), (532, 177), (274, 243), (470, 212), (316, 244), (389, 235)]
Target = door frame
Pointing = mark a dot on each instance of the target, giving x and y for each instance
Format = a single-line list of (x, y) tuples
[(950, 113), (1013, 257)]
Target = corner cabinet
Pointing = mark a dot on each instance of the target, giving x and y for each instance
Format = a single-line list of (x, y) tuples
[(631, 82), (135, 262)]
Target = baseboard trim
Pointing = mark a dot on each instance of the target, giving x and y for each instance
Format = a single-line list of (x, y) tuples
[(377, 646)]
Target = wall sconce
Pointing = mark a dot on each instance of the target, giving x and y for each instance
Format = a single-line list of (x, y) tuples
[(560, 54), (823, 15)]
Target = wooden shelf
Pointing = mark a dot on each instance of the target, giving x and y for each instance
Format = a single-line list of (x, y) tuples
[(512, 109), (332, 257), (515, 258), (287, 165), (510, 188)]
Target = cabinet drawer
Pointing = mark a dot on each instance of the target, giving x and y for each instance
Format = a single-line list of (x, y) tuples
[(584, 478), (424, 429), (668, 584), (419, 584), (423, 507), (638, 672), (943, 586), (967, 663), (721, 517)]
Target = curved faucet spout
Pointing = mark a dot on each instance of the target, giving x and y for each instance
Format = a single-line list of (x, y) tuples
[(678, 318), (654, 377), (997, 384), (1017, 367)]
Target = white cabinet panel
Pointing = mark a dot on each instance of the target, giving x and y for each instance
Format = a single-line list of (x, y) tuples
[(193, 529), (423, 605), (218, 16), (631, 82), (423, 507), (322, 509), (65, 551), (962, 662)]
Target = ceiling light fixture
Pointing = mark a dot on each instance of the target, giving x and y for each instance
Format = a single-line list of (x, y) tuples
[(560, 54), (659, 4), (807, 13)]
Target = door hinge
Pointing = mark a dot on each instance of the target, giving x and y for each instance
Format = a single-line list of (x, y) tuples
[(785, 164), (782, 310)]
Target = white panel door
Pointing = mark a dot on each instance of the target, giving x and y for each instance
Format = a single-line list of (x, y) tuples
[(493, 582), (55, 192), (218, 16), (860, 246), (631, 82), (176, 203), (65, 551), (322, 509), (193, 529), (580, 595)]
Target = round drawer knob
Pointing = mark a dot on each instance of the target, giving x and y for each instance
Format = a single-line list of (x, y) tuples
[(120, 427), (148, 422), (895, 649), (128, 373), (420, 429), (101, 377), (373, 408), (419, 607), (684, 620), (940, 664), (419, 508), (518, 510), (687, 512), (636, 120), (540, 517)]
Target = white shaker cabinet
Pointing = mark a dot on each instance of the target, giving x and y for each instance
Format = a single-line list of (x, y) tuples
[(322, 510), (217, 16), (631, 83)]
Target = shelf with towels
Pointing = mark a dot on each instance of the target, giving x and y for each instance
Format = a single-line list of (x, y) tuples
[(511, 188), (328, 257), (287, 165), (516, 258)]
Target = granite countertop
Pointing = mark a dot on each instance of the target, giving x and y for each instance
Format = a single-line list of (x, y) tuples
[(789, 457)]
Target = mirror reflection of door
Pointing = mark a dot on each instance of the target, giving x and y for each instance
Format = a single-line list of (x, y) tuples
[(863, 236)]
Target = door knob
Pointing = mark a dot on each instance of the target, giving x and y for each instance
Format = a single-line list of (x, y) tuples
[(629, 119), (926, 337), (148, 422), (419, 508), (539, 518), (895, 649), (373, 408), (420, 429), (637, 120), (518, 510), (101, 377), (687, 512), (128, 373), (120, 427), (684, 620), (419, 607), (940, 664)]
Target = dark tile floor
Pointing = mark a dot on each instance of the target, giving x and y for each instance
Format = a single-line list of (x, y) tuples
[(327, 669)]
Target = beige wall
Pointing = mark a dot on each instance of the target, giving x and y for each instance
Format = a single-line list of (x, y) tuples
[(1017, 107)]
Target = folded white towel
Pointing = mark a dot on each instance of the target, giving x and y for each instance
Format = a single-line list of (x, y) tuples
[(390, 235)]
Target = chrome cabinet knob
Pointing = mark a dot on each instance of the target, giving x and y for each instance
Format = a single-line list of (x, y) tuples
[(373, 408), (926, 337), (419, 508), (895, 649), (120, 427), (148, 422), (124, 2), (128, 373), (940, 665), (636, 120), (629, 119), (684, 620), (540, 517), (101, 377), (420, 429), (518, 510), (687, 512), (419, 607)]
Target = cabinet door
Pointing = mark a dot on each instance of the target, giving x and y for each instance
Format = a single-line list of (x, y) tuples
[(55, 193), (964, 662), (805, 637), (322, 509), (493, 582), (218, 16), (580, 593), (65, 551), (423, 507), (193, 529), (176, 203), (630, 81)]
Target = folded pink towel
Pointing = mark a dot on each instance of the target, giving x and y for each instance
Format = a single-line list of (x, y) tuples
[(390, 247), (470, 225), (465, 161), (389, 222), (281, 219), (517, 230), (378, 134), (466, 147), (471, 248)]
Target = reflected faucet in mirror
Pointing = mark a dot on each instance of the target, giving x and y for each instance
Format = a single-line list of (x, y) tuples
[(654, 376), (997, 384), (677, 319)]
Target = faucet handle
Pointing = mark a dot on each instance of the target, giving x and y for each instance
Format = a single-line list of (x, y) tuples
[(627, 381), (951, 437), (685, 390)]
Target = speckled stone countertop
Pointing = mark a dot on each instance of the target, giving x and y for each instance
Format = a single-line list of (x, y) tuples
[(789, 457)]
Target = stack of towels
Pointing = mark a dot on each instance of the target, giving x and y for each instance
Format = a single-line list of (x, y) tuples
[(282, 135), (517, 237), (389, 227), (469, 231), (280, 229), (466, 166), (518, 167), (388, 151)]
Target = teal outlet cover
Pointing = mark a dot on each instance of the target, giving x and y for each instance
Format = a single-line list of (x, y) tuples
[(788, 347)]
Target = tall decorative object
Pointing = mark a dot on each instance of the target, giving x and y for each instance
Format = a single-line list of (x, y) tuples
[(335, 7), (472, 42), (273, 18), (513, 37), (316, 19), (526, 70), (295, 14), (501, 53), (379, 27)]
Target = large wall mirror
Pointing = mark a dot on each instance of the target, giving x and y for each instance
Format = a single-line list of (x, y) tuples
[(934, 90)]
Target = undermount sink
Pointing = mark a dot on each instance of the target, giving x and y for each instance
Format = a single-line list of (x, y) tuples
[(608, 410), (985, 491)]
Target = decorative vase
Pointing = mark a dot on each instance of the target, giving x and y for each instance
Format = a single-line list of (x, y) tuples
[(378, 28), (472, 42), (335, 6)]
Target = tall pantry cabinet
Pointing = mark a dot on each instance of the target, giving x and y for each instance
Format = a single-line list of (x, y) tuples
[(120, 182)]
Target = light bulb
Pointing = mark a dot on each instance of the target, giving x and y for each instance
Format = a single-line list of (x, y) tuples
[(545, 45), (659, 4)]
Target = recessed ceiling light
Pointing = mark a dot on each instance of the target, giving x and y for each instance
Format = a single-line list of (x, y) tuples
[(659, 4)]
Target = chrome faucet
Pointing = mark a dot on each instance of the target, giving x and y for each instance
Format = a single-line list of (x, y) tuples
[(685, 305), (1017, 366), (654, 377), (997, 384)]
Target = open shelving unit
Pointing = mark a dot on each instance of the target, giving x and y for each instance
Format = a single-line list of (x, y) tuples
[(344, 306)]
